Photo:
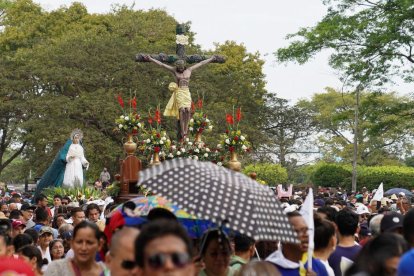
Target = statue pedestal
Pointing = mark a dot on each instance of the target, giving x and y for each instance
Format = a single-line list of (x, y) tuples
[(128, 179)]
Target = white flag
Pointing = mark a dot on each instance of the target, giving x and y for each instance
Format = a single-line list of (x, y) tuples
[(379, 194), (307, 213)]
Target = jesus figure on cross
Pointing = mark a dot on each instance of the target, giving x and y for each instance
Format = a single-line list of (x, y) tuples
[(179, 105)]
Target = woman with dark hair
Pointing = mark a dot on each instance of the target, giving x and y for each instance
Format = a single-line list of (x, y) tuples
[(215, 252), (58, 220), (325, 241), (85, 245), (57, 249), (380, 256), (32, 255)]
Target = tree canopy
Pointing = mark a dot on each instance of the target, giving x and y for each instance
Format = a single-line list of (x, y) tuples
[(365, 36)]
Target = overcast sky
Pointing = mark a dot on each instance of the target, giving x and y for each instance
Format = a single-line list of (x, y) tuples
[(260, 24)]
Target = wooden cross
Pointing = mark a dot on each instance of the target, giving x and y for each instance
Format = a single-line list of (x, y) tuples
[(181, 41)]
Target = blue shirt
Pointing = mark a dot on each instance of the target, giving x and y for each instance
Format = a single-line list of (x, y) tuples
[(405, 268), (347, 252)]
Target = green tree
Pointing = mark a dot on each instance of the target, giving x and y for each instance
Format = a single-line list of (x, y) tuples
[(288, 129), (384, 134), (374, 37), (271, 174)]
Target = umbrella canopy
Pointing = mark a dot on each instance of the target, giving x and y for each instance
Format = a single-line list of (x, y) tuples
[(396, 191), (145, 204), (217, 194)]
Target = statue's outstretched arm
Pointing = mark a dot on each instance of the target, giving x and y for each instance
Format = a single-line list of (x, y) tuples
[(159, 63), (201, 63)]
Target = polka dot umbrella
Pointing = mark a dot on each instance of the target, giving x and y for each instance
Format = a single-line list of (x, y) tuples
[(214, 193)]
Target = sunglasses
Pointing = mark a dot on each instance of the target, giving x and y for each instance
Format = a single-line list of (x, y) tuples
[(128, 265), (158, 261)]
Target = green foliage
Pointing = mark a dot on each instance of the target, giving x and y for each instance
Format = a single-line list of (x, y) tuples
[(76, 194), (333, 175), (271, 174), (370, 41), (384, 133)]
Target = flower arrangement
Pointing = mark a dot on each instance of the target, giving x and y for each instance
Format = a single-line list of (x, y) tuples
[(155, 139), (233, 140), (199, 122), (194, 150), (129, 122)]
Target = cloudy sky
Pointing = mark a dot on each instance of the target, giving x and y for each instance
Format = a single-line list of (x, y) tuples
[(261, 25)]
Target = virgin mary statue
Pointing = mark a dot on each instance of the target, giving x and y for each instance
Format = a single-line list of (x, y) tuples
[(67, 167)]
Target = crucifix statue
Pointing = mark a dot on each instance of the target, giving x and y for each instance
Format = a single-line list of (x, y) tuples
[(179, 105)]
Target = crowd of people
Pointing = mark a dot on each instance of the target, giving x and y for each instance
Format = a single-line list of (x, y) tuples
[(353, 235)]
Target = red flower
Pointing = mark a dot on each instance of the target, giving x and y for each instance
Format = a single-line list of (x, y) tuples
[(227, 131), (238, 114), (231, 148), (134, 131), (134, 103), (158, 135), (150, 120), (157, 149), (157, 116), (192, 107), (120, 101), (229, 119), (137, 116), (236, 138), (200, 103)]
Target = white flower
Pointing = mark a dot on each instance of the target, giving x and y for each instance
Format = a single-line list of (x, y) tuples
[(173, 147), (187, 139), (139, 125), (210, 127), (242, 138), (161, 142), (178, 152), (181, 39), (196, 150), (227, 141), (206, 154), (163, 138), (126, 118), (219, 146), (148, 141), (190, 129), (190, 143), (207, 150), (120, 126), (219, 164), (207, 120), (200, 146), (170, 155), (195, 157), (192, 121), (122, 116), (244, 147), (183, 149)]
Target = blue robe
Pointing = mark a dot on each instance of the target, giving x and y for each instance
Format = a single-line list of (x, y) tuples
[(53, 177)]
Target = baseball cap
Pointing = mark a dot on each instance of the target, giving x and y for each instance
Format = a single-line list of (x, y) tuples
[(319, 202), (391, 221), (68, 235), (17, 223), (26, 206), (362, 209), (44, 230)]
